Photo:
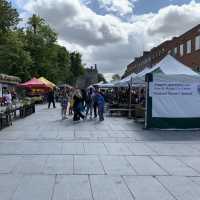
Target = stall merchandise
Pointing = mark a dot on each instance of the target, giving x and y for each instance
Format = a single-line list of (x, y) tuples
[(7, 83)]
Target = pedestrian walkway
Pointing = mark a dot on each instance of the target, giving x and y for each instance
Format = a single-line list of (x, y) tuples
[(44, 158)]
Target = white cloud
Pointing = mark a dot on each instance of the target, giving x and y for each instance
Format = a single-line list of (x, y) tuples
[(76, 23), (107, 40), (123, 7), (175, 19)]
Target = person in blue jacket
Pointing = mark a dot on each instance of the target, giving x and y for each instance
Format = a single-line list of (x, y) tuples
[(100, 103)]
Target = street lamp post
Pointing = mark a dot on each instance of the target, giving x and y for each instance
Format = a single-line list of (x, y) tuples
[(130, 99)]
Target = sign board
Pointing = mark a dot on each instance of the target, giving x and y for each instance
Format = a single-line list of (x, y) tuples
[(175, 99)]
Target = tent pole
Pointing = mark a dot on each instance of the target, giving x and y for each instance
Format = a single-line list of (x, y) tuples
[(130, 99)]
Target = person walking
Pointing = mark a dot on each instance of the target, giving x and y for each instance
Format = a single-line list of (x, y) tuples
[(95, 104), (100, 103), (64, 103), (78, 106), (50, 99), (71, 102), (89, 102)]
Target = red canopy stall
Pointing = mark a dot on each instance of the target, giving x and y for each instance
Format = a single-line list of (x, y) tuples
[(35, 86)]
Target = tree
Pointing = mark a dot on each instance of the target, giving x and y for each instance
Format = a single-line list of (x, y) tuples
[(76, 66), (34, 51), (40, 41), (101, 78), (35, 22), (14, 60), (9, 17), (116, 77)]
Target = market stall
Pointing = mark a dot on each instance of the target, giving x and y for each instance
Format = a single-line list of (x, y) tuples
[(7, 83), (173, 101), (169, 70), (36, 89), (47, 82)]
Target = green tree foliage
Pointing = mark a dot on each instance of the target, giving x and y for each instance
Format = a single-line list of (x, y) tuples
[(14, 60), (116, 77), (101, 78), (76, 66), (34, 52), (9, 16)]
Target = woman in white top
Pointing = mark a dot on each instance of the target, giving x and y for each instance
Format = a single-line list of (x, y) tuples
[(8, 98)]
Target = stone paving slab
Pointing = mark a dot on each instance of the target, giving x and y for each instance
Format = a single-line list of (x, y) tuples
[(140, 149), (59, 165), (193, 162), (34, 187), (8, 185), (30, 165), (144, 165), (8, 164), (95, 148), (110, 188), (181, 187), (146, 188), (117, 165), (45, 158), (117, 149), (173, 149), (73, 148), (72, 188), (175, 167), (88, 165)]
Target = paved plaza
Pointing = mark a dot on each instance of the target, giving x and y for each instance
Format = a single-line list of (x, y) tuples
[(44, 158)]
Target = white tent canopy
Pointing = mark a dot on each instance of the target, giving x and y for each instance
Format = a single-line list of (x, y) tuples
[(105, 85), (124, 82), (168, 66)]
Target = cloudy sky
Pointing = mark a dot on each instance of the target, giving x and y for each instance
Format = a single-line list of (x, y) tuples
[(111, 33)]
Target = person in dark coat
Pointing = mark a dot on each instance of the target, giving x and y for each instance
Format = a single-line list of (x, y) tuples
[(51, 99), (95, 104), (78, 108)]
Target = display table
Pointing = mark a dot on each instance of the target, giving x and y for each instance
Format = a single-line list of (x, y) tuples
[(8, 115)]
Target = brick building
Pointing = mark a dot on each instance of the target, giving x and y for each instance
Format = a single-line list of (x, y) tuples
[(185, 48)]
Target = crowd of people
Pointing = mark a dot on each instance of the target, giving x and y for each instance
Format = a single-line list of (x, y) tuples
[(82, 104), (121, 96)]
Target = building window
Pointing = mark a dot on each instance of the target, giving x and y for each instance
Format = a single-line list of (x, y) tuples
[(198, 69), (175, 51), (189, 46), (197, 43), (181, 50)]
